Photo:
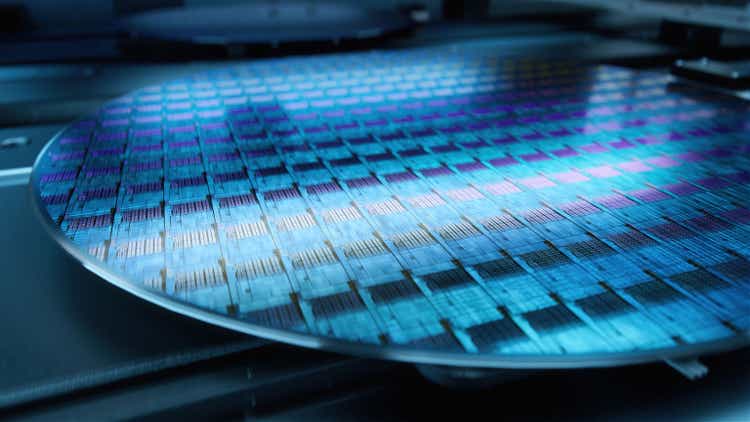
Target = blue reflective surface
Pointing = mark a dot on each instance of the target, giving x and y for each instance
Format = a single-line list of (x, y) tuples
[(421, 202)]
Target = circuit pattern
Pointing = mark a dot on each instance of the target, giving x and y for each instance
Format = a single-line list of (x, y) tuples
[(428, 199)]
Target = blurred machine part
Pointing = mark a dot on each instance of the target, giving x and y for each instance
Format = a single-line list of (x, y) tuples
[(262, 22), (734, 14)]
